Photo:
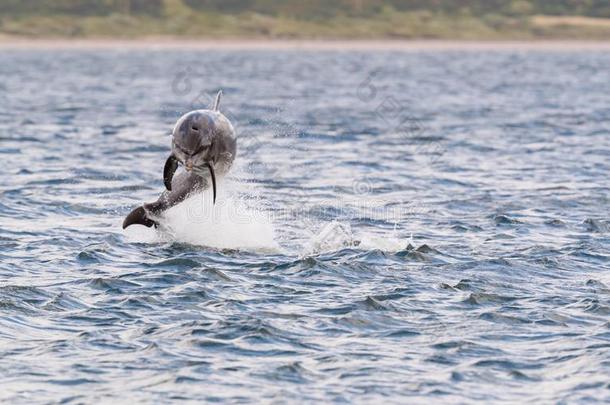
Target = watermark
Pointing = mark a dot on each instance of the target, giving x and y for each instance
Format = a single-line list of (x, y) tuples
[(200, 210), (310, 215), (398, 120), (362, 186), (184, 85)]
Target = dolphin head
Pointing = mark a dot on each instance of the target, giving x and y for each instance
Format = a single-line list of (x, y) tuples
[(193, 144), (192, 139)]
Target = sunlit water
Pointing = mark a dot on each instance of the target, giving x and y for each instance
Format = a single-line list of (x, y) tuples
[(397, 227)]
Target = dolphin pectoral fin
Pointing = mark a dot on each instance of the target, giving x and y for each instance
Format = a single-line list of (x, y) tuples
[(138, 217), (171, 164), (209, 165)]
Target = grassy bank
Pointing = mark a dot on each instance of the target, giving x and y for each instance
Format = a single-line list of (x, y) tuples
[(185, 22)]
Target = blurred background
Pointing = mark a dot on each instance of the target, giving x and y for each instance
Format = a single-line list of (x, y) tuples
[(316, 19)]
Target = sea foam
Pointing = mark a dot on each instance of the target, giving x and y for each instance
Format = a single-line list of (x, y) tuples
[(230, 223)]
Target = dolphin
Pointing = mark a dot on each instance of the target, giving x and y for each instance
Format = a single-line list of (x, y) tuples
[(204, 143)]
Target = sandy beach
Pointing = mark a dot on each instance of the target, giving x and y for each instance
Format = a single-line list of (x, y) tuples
[(317, 45)]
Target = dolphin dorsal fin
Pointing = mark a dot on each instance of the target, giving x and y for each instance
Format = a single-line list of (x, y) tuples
[(217, 101)]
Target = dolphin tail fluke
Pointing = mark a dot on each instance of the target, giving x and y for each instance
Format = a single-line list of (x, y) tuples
[(217, 101), (138, 217)]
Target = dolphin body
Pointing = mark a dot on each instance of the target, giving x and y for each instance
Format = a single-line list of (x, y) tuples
[(204, 142)]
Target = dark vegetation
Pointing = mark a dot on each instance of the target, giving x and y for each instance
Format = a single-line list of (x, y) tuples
[(453, 19)]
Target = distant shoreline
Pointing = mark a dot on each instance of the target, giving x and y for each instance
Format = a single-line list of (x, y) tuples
[(330, 45)]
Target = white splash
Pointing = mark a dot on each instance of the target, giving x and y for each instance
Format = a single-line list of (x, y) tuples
[(228, 224), (337, 235)]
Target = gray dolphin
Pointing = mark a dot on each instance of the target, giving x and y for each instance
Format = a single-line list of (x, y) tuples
[(204, 142)]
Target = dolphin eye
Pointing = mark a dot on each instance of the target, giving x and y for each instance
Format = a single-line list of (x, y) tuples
[(195, 128)]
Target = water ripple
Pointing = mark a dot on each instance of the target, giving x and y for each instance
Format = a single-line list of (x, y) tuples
[(401, 227)]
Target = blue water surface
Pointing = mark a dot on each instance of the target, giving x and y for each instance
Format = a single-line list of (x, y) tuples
[(415, 226)]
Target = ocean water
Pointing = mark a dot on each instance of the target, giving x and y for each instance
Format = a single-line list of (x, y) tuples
[(398, 226)]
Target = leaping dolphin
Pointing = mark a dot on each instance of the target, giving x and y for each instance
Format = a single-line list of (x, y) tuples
[(204, 142)]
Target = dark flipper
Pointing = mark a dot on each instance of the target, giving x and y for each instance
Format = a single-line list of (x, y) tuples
[(138, 216), (184, 183), (171, 164), (213, 176)]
